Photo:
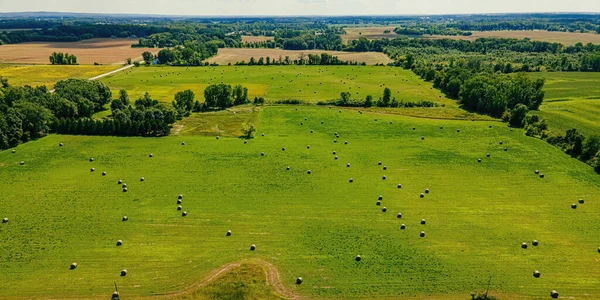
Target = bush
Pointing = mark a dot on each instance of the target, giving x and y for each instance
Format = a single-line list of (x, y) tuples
[(517, 115), (248, 130)]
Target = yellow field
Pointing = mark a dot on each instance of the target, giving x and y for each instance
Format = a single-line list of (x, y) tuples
[(566, 38), (48, 75), (102, 51), (371, 33), (233, 55), (255, 39)]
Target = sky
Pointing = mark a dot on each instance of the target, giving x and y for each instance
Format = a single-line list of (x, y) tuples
[(299, 7)]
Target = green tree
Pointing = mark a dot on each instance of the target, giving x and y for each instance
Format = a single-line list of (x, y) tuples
[(148, 57), (184, 102), (517, 115)]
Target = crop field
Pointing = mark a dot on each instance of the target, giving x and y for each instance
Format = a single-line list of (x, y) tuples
[(371, 33), (234, 55), (309, 225), (306, 83), (102, 51), (566, 38), (36, 75), (255, 38), (572, 101)]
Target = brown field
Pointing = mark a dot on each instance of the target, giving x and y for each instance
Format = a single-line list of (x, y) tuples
[(255, 39), (233, 55), (102, 51), (371, 33), (566, 38)]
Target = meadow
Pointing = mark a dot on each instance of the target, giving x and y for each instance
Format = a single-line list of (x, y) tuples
[(369, 32), (36, 75), (571, 101), (235, 55), (102, 51), (309, 225), (306, 83)]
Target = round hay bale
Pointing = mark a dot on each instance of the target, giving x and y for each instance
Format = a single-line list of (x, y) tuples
[(457, 130), (184, 213), (598, 249), (384, 209), (124, 185), (308, 172), (383, 177), (119, 243), (182, 143), (422, 195), (385, 167), (399, 186), (375, 120), (151, 155), (379, 163), (124, 190), (414, 128), (142, 179), (120, 181), (5, 220), (60, 145), (391, 122), (179, 207), (252, 247), (500, 142), (14, 151), (479, 160), (524, 245), (299, 280), (402, 226), (73, 266), (103, 173), (573, 206), (335, 133), (180, 196), (505, 149), (358, 258), (378, 203), (345, 142), (228, 233), (536, 172), (91, 159), (399, 216), (541, 175), (380, 197), (422, 138), (263, 134), (426, 191), (423, 222), (92, 170), (348, 165), (581, 201), (245, 142), (301, 123), (125, 218), (179, 201), (335, 141), (311, 131), (287, 168), (335, 157), (488, 155), (217, 137), (262, 154), (124, 272), (307, 146), (554, 294), (536, 274), (535, 242), (321, 122), (351, 180), (305, 119), (490, 126), (334, 152), (422, 234), (115, 295), (282, 148), (441, 127)]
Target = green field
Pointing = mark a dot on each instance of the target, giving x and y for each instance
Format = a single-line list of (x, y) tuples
[(306, 83), (313, 226), (36, 75), (572, 101)]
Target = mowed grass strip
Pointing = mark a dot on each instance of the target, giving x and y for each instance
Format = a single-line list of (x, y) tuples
[(306, 83), (311, 226), (37, 75)]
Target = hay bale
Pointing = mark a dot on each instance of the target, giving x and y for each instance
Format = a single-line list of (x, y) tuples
[(457, 130), (535, 242), (311, 131), (245, 142), (488, 155), (119, 243), (299, 280), (351, 180), (414, 128), (217, 137), (151, 155), (179, 201), (5, 220), (422, 234), (422, 138), (124, 190), (390, 122), (375, 120), (541, 175), (184, 213), (307, 146), (180, 196), (384, 209), (252, 247), (335, 141), (301, 123), (14, 151), (378, 203), (399, 216), (399, 186), (383, 177), (536, 274), (426, 191), (124, 185), (282, 148), (287, 168), (441, 127), (124, 272), (142, 179), (345, 142), (335, 158), (554, 294), (309, 172), (305, 119), (60, 145), (348, 165), (385, 167), (228, 233), (500, 142), (115, 296), (334, 152), (263, 134), (380, 197), (103, 173), (379, 163), (573, 206), (422, 195), (402, 226), (92, 170), (179, 207), (91, 159), (120, 181), (598, 249), (262, 154), (182, 143), (505, 149), (479, 160), (125, 218), (536, 172), (423, 222), (73, 266), (524, 245), (581, 201), (358, 258)]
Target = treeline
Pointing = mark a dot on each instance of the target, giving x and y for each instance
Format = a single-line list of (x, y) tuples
[(310, 59), (63, 59), (385, 101), (192, 54), (431, 29)]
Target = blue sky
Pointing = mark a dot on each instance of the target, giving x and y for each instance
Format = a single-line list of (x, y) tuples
[(300, 7)]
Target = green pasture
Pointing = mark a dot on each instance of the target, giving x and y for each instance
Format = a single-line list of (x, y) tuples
[(309, 225)]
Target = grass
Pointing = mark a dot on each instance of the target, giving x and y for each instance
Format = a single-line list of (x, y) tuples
[(306, 83), (565, 38), (370, 33), (571, 101), (49, 75), (305, 225), (254, 39), (234, 55)]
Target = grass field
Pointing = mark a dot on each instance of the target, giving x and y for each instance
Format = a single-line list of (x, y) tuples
[(254, 39), (307, 83), (102, 51), (572, 101), (234, 55), (35, 75), (566, 38), (308, 225), (371, 33)]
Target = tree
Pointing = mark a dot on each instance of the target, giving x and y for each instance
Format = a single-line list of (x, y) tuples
[(148, 57), (369, 101), (517, 115), (574, 142), (218, 95), (248, 130), (590, 148), (386, 99), (184, 102), (124, 97), (166, 56)]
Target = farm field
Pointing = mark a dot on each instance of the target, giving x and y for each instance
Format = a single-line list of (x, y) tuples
[(306, 83), (371, 33), (234, 55), (36, 75), (309, 225), (254, 38), (571, 101), (566, 38), (102, 51)]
